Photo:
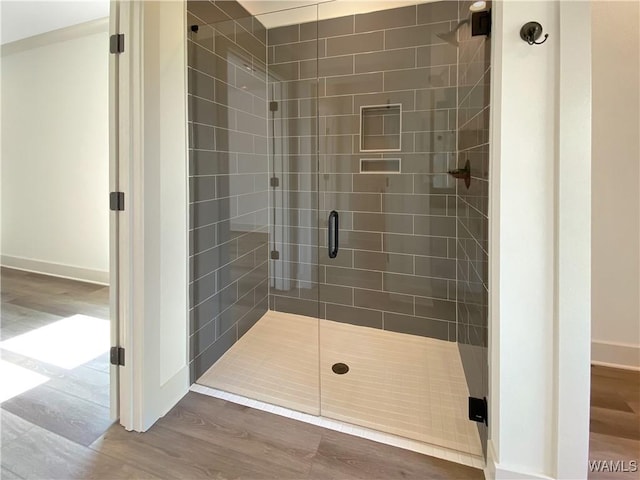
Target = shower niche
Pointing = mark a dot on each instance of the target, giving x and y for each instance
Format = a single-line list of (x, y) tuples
[(297, 114), (380, 128)]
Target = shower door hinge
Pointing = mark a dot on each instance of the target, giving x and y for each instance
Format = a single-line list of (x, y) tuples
[(478, 410), (481, 23), (274, 182), (117, 356), (273, 106), (275, 255), (116, 43), (116, 201)]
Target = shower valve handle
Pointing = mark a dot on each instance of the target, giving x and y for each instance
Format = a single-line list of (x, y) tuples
[(462, 173)]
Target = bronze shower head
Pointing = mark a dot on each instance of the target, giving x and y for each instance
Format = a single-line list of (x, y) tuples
[(451, 36)]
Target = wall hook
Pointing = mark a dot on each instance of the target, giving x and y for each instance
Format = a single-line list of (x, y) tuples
[(531, 31)]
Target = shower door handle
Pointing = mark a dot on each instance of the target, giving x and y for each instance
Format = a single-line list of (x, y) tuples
[(332, 230)]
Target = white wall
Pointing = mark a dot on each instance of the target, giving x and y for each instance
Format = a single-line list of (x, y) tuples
[(154, 227), (616, 174), (523, 298), (55, 153), (540, 243), (22, 19)]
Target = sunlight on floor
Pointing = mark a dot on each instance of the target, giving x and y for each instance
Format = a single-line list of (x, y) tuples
[(67, 343), (16, 380)]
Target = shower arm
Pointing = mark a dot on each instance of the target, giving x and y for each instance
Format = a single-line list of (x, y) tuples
[(450, 36), (460, 24)]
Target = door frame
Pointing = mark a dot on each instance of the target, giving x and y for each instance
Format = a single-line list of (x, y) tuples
[(540, 243), (119, 247), (150, 247), (114, 223)]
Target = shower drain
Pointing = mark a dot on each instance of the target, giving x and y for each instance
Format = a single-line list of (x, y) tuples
[(340, 368)]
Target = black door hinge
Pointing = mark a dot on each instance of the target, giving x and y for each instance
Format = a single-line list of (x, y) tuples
[(273, 106), (275, 255), (478, 410), (117, 356), (274, 182), (116, 201), (116, 43)]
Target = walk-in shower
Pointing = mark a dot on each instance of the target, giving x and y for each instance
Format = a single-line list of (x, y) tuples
[(337, 269)]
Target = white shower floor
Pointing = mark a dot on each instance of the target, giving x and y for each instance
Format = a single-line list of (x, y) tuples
[(401, 384)]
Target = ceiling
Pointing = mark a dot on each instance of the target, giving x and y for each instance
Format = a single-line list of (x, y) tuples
[(25, 18), (288, 12)]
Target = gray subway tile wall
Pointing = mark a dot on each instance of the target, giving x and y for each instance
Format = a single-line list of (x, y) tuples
[(293, 204), (396, 267), (362, 317), (228, 178), (410, 243), (360, 42)]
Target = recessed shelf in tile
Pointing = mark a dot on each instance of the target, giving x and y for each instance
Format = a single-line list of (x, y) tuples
[(380, 128), (380, 165)]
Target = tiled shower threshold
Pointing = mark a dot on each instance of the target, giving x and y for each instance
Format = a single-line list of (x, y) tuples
[(403, 390)]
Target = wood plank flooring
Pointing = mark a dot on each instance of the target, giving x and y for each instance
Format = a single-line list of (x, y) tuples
[(60, 429), (203, 437), (211, 438), (46, 431), (73, 404), (615, 419)]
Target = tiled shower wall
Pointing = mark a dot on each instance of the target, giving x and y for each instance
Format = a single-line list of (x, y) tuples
[(396, 268), (228, 177), (474, 78)]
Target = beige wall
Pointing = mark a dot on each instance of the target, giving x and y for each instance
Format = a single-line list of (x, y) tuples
[(55, 152), (616, 174)]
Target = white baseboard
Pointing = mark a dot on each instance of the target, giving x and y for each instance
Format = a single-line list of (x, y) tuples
[(490, 466), (496, 471), (56, 269), (616, 355)]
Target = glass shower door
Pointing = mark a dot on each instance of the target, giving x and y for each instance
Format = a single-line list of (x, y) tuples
[(253, 91), (474, 80), (292, 51), (387, 138), (337, 139)]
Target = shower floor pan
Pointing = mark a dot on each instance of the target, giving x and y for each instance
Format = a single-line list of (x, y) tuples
[(409, 386)]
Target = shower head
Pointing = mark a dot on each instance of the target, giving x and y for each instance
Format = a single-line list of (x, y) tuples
[(451, 37)]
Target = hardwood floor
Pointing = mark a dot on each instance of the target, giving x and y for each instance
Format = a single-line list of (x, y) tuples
[(61, 430), (71, 403), (203, 437), (615, 420)]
